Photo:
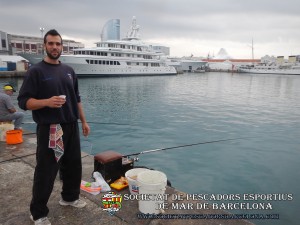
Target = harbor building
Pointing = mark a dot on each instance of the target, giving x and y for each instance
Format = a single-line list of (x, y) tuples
[(4, 46), (161, 48), (224, 62), (12, 44)]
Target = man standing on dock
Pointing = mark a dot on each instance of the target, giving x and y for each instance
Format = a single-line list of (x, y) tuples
[(50, 90), (7, 110)]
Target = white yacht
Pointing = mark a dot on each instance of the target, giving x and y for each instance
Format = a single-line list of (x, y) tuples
[(271, 69), (126, 57), (292, 67)]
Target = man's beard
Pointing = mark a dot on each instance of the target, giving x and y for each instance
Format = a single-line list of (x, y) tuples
[(52, 56)]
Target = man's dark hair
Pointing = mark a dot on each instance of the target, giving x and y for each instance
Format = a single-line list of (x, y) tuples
[(52, 32)]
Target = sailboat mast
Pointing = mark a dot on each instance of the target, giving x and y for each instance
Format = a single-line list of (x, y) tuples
[(252, 52)]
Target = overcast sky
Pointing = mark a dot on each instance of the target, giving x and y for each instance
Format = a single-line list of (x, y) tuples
[(188, 27)]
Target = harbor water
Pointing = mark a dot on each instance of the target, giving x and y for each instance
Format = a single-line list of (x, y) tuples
[(259, 172)]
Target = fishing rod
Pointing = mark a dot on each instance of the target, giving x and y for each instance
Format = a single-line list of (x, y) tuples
[(18, 157), (21, 157), (124, 124), (91, 122), (24, 156), (182, 146), (29, 133)]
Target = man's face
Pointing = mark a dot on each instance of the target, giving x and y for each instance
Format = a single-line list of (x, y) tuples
[(53, 46), (9, 92)]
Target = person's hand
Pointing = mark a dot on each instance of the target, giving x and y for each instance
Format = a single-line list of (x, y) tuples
[(56, 102), (85, 129)]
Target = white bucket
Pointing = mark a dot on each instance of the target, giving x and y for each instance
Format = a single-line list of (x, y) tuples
[(131, 176), (151, 183), (3, 128)]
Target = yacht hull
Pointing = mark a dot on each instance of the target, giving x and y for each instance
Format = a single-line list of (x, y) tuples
[(272, 71), (82, 68)]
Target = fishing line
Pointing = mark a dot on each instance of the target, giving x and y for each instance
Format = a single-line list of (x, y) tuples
[(182, 146), (86, 143)]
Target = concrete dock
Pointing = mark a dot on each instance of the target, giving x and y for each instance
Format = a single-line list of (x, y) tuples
[(17, 164)]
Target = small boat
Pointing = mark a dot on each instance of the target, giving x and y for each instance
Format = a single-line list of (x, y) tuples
[(199, 70)]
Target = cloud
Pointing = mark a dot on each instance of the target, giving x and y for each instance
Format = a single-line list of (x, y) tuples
[(192, 25)]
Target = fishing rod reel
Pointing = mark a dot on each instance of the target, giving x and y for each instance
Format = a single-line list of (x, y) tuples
[(134, 159)]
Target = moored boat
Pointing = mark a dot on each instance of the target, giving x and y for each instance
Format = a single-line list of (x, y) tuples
[(127, 57), (269, 69), (292, 67)]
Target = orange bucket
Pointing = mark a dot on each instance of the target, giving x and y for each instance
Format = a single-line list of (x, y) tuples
[(14, 137)]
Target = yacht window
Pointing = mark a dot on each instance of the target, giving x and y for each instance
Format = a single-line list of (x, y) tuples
[(111, 63), (118, 63), (107, 62), (155, 64), (128, 63)]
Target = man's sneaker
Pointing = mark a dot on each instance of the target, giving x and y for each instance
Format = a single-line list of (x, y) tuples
[(78, 203), (41, 221)]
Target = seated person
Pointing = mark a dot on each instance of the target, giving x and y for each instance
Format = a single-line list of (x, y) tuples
[(7, 109)]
